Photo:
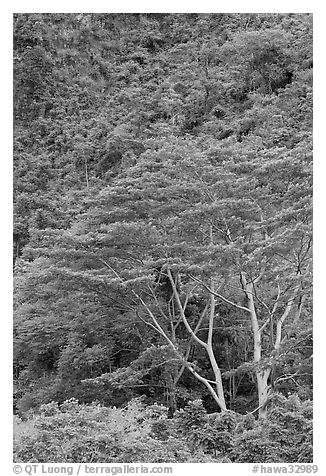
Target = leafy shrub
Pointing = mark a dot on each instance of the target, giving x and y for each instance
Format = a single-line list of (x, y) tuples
[(213, 434), (92, 433), (285, 435), (83, 433)]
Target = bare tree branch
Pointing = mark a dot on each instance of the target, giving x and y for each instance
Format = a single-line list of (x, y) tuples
[(214, 293)]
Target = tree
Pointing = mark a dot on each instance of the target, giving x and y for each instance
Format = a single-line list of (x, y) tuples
[(203, 226)]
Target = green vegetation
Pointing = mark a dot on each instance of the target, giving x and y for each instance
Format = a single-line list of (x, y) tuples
[(162, 237), (141, 433)]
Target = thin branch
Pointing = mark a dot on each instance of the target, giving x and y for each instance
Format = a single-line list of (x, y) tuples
[(211, 322), (286, 259), (157, 325), (186, 323), (300, 306), (277, 298), (152, 293), (150, 324), (183, 366), (268, 320), (186, 302), (110, 268), (254, 293), (214, 293), (282, 319), (190, 344), (258, 298)]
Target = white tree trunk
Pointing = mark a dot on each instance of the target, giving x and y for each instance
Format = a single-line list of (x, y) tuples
[(261, 375), (263, 390), (217, 394)]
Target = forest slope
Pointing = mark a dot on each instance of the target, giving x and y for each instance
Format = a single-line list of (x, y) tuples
[(162, 224)]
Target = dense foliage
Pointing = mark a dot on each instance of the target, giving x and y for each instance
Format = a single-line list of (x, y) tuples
[(141, 433), (79, 433), (162, 236)]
